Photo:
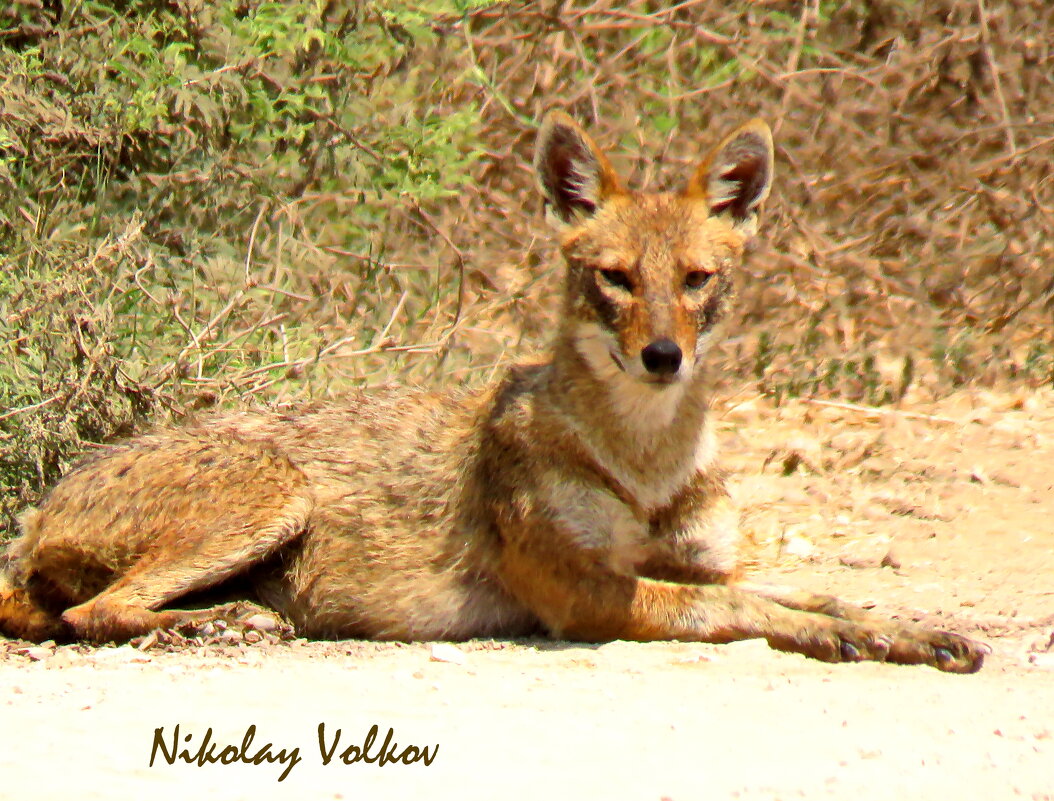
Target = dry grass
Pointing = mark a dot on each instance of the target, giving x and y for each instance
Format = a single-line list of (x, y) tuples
[(910, 235)]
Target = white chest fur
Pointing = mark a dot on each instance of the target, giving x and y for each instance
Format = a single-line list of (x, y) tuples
[(597, 521)]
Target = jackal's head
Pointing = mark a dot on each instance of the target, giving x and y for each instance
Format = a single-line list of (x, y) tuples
[(650, 275)]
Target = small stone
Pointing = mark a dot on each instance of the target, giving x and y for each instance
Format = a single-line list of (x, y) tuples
[(36, 653), (796, 544), (865, 553), (891, 559), (445, 652), (262, 622)]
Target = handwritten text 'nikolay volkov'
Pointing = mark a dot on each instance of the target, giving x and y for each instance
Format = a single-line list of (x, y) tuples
[(177, 746)]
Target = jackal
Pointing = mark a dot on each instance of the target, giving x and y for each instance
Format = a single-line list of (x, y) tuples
[(577, 497)]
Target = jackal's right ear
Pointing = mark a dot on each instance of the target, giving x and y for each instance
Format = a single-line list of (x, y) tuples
[(574, 175), (735, 179)]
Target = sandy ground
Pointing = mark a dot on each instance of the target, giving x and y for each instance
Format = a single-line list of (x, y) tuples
[(938, 512)]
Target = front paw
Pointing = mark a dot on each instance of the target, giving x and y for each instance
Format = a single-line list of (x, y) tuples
[(835, 640), (952, 653)]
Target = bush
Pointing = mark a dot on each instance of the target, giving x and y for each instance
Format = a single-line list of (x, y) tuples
[(179, 182)]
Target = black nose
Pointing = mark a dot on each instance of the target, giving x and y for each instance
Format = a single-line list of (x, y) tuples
[(662, 357)]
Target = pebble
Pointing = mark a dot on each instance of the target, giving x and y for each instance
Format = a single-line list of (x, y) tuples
[(36, 653), (445, 652), (1044, 661), (262, 622), (876, 552), (797, 544)]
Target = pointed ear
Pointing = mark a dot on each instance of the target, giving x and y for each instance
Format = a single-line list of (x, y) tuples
[(736, 177), (574, 175)]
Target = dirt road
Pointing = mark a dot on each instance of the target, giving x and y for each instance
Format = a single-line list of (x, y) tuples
[(942, 512)]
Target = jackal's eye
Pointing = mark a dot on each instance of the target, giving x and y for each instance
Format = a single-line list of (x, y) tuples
[(619, 278), (697, 279)]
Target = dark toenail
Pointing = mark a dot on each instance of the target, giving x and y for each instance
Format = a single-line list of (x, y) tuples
[(850, 652), (944, 656)]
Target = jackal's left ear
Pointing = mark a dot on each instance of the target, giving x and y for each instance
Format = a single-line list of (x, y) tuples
[(574, 174), (735, 179)]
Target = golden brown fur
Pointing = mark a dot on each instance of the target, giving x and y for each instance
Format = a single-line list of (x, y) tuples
[(577, 497)]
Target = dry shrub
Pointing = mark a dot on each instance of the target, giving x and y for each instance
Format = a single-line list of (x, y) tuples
[(910, 237)]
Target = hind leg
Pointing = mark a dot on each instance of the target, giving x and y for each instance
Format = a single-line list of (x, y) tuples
[(126, 534), (131, 606)]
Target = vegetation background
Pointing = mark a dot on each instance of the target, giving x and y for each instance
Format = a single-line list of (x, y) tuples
[(212, 202)]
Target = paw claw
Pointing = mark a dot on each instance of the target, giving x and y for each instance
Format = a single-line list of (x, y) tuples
[(882, 647), (850, 653), (958, 654)]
